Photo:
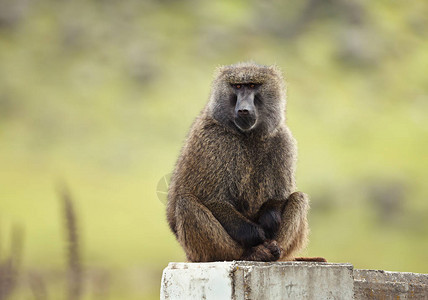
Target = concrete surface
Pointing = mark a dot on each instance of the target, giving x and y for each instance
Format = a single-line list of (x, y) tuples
[(254, 280), (287, 280), (379, 284)]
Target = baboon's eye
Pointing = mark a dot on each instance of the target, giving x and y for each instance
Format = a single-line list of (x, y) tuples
[(238, 86), (252, 85)]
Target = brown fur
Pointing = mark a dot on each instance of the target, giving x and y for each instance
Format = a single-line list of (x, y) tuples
[(225, 179)]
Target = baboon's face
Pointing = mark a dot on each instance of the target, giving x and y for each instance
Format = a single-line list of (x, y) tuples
[(248, 97), (252, 106), (244, 97)]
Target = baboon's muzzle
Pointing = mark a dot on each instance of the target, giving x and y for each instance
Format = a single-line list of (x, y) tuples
[(245, 112)]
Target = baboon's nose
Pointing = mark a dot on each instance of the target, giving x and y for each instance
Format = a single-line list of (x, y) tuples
[(243, 112)]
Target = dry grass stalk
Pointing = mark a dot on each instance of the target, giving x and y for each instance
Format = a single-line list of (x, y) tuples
[(10, 265), (75, 273)]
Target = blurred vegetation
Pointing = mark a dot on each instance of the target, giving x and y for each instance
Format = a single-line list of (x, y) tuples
[(100, 94)]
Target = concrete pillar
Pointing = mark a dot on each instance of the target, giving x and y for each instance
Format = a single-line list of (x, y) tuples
[(255, 280)]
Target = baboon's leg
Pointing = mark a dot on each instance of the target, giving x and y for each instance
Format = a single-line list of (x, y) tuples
[(293, 231), (201, 235)]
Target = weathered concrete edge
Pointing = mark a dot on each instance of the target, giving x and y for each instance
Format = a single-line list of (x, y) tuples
[(238, 263), (364, 274)]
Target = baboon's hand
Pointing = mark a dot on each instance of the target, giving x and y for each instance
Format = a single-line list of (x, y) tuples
[(270, 220), (274, 249), (268, 251)]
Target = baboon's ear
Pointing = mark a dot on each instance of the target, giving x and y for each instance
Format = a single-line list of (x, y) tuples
[(278, 78), (276, 70), (219, 70)]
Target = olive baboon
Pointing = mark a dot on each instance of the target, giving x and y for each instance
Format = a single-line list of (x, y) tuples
[(232, 194)]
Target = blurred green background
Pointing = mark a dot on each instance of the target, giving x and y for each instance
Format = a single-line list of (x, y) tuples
[(100, 95)]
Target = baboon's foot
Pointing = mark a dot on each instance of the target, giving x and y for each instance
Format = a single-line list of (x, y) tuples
[(313, 259), (268, 251)]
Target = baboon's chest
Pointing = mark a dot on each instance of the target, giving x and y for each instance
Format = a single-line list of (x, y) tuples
[(256, 180)]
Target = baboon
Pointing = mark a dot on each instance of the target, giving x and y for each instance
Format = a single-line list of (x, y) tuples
[(232, 194)]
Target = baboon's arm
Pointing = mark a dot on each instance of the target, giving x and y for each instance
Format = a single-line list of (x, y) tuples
[(236, 225)]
